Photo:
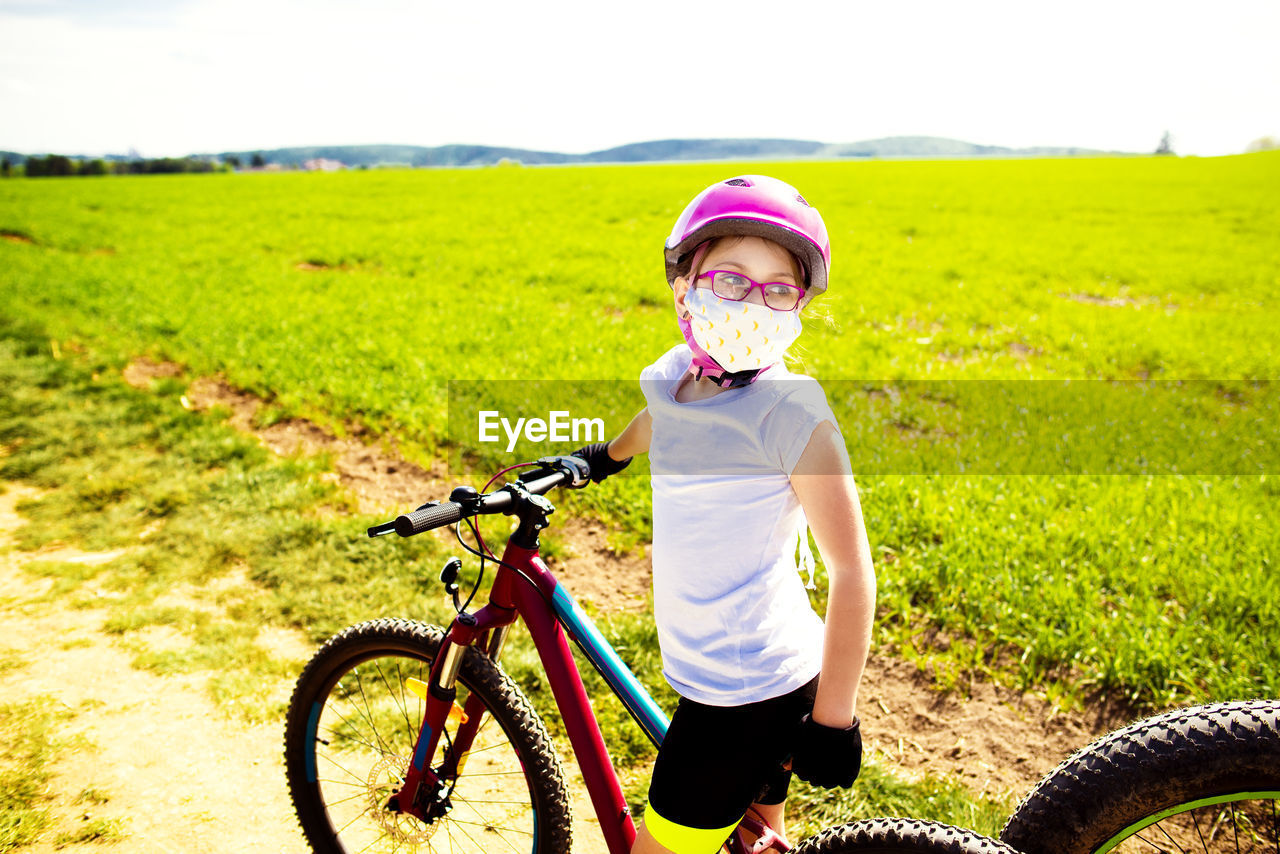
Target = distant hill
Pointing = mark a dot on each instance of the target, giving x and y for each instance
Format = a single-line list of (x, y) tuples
[(648, 152), (934, 146), (396, 155), (640, 152), (706, 149), (485, 155)]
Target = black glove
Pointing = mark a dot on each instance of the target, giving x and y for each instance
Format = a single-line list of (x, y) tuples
[(825, 756), (598, 460)]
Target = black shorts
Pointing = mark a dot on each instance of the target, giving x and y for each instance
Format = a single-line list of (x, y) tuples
[(716, 761)]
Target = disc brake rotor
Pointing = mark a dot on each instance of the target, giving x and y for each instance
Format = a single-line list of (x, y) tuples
[(385, 779)]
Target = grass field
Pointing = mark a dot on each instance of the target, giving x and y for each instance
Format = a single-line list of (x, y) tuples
[(357, 297)]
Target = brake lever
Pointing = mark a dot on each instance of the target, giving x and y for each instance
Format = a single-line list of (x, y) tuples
[(575, 466), (383, 529), (449, 575)]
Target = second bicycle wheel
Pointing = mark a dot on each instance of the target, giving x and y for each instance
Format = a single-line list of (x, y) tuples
[(899, 836), (1200, 779), (351, 728)]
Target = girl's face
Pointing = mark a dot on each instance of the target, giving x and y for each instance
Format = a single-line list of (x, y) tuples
[(754, 257)]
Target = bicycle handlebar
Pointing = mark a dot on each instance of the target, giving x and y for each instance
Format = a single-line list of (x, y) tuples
[(552, 472)]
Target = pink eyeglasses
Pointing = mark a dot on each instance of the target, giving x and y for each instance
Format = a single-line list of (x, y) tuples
[(736, 287)]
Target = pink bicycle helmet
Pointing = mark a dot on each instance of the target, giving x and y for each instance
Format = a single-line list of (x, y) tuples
[(757, 206)]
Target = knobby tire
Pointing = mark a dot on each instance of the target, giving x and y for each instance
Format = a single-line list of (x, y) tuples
[(899, 836), (1200, 779)]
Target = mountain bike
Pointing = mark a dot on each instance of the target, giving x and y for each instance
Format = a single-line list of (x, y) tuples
[(402, 736)]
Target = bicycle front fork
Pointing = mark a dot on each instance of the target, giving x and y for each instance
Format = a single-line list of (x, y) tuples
[(426, 790)]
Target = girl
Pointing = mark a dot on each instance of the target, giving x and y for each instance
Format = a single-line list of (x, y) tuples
[(744, 455)]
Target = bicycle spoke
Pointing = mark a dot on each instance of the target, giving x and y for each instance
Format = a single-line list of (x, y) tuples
[(488, 823), (497, 746), (368, 716), (344, 770), (1170, 838), (1152, 844), (397, 696), (448, 831), (353, 820), (463, 831), (470, 801), (355, 797), (1196, 821), (335, 735), (491, 826), (395, 691), (373, 724), (497, 831), (491, 774)]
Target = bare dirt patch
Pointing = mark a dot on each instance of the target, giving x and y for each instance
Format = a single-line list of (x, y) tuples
[(998, 741), (140, 372), (1121, 300), (16, 237), (1097, 299)]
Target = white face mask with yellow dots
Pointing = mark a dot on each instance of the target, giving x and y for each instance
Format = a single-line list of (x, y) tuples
[(741, 336)]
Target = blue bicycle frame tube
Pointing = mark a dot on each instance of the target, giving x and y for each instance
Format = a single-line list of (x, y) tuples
[(602, 656)]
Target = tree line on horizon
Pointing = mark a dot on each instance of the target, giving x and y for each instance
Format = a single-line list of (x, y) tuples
[(63, 166)]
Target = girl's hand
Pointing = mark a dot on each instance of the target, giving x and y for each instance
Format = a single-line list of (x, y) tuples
[(598, 460), (825, 756), (631, 441)]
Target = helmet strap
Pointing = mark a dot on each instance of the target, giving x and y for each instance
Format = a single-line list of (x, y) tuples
[(730, 379)]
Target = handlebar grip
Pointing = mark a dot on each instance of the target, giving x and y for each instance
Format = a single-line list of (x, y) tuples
[(427, 518)]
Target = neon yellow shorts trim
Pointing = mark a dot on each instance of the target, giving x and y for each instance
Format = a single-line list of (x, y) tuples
[(685, 840)]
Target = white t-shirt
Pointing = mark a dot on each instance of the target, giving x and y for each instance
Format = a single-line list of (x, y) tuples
[(734, 621)]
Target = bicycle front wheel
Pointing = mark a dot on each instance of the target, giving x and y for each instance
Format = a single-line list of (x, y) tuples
[(351, 729), (1200, 779), (899, 836)]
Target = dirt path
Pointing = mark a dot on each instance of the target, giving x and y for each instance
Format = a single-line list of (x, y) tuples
[(180, 776), (184, 778)]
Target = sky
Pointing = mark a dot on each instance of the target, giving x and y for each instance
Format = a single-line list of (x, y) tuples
[(200, 76)]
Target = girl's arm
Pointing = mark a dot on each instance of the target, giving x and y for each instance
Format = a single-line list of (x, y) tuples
[(634, 438), (824, 484)]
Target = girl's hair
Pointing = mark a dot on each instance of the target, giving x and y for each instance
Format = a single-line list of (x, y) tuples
[(695, 262)]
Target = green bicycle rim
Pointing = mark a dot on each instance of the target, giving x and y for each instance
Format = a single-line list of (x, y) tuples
[(1181, 808)]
